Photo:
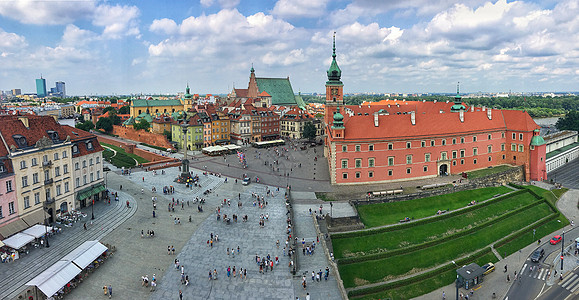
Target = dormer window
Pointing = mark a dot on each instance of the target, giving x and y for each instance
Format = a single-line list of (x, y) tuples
[(2, 168), (53, 135), (75, 149), (20, 140), (89, 145)]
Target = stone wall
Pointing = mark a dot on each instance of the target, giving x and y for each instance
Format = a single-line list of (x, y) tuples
[(344, 223), (129, 148), (153, 158), (141, 136)]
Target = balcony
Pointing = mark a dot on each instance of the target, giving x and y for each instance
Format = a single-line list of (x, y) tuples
[(47, 163), (50, 200), (48, 181)]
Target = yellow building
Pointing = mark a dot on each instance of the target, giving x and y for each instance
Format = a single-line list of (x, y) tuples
[(154, 107)]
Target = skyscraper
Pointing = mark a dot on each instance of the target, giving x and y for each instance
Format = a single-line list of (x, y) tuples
[(41, 87), (61, 89)]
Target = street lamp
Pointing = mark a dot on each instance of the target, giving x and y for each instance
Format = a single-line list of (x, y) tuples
[(562, 249), (92, 210), (45, 208), (456, 283)]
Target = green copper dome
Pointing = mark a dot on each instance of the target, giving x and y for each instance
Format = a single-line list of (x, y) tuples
[(338, 120), (457, 101), (334, 72), (537, 140), (187, 94)]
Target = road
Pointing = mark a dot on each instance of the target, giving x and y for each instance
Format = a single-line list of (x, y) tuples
[(566, 175)]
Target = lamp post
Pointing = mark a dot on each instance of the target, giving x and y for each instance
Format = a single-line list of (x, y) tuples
[(45, 208), (562, 249), (92, 210), (456, 283)]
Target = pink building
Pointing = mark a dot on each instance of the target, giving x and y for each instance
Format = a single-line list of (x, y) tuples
[(9, 221)]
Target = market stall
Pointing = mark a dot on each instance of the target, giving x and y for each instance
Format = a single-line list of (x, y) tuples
[(55, 277), (18, 240), (37, 230)]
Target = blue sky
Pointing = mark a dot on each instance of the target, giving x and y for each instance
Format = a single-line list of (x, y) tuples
[(131, 47)]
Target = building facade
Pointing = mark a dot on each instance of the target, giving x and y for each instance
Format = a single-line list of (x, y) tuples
[(41, 87)]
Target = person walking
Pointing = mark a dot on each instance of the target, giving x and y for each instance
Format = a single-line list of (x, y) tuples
[(110, 288)]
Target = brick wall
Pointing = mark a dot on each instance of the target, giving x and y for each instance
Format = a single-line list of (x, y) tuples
[(141, 136), (154, 158), (129, 148)]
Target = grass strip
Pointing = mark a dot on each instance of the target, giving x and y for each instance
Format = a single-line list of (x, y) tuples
[(488, 171), (390, 267), (373, 215), (390, 240), (119, 149)]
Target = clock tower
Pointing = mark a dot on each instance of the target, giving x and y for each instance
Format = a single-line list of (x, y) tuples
[(334, 88)]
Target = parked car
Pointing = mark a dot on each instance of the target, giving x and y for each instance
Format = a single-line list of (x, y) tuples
[(556, 240), (537, 255), (246, 181), (490, 267)]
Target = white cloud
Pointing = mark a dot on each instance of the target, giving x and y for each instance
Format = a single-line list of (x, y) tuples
[(166, 26), (74, 36), (206, 3), (47, 12), (227, 4), (299, 8), (118, 21), (11, 41)]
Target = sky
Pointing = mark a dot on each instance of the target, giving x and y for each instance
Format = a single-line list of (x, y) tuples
[(409, 46)]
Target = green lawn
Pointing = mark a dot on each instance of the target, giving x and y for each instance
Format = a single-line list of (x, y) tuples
[(374, 215), (405, 264), (390, 240), (488, 171), (425, 286), (119, 149)]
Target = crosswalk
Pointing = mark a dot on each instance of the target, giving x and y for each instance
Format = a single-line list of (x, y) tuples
[(571, 283), (535, 272)]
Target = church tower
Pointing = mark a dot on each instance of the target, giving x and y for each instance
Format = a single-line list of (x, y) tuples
[(188, 99), (252, 90), (334, 88)]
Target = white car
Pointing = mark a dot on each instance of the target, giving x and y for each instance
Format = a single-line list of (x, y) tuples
[(246, 181)]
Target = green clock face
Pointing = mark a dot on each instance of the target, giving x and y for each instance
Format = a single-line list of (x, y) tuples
[(334, 91)]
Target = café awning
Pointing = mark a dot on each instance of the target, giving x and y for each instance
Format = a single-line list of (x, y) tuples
[(35, 217), (86, 253), (91, 191), (37, 230), (55, 277), (12, 227), (18, 240)]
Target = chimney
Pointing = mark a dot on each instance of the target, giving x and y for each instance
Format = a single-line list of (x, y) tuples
[(489, 114), (24, 121), (472, 108), (484, 108), (413, 117), (434, 100), (461, 115), (375, 119)]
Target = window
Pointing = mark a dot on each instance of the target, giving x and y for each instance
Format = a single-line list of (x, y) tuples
[(91, 177), (474, 161), (64, 154), (357, 174), (520, 136), (77, 182), (90, 162), (34, 162), (26, 202), (443, 155), (408, 159), (98, 175), (371, 162), (422, 144), (75, 149), (408, 145), (474, 138), (490, 136), (56, 156), (65, 169), (489, 149), (462, 140), (23, 164), (408, 170), (66, 187), (502, 135), (521, 148), (454, 141), (24, 181), (344, 148), (514, 136), (1, 213), (425, 168), (453, 154), (45, 158), (89, 145), (84, 179), (344, 163), (503, 147), (462, 161), (8, 186), (358, 162), (490, 158), (98, 160), (444, 142), (370, 147), (76, 167), (462, 153), (390, 172), (454, 162), (357, 148), (503, 156), (36, 198), (370, 174), (432, 143), (11, 209), (513, 147), (474, 151), (57, 171), (390, 146), (427, 157), (58, 192), (35, 178), (345, 175), (84, 163)]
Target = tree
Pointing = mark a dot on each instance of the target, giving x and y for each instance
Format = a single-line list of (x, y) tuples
[(569, 122), (105, 124), (167, 133), (124, 110), (86, 126), (110, 108), (142, 124), (116, 120), (309, 131)]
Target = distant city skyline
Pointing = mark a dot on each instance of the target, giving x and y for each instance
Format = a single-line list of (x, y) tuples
[(415, 46)]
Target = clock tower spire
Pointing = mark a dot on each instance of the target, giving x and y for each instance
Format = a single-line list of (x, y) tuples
[(334, 87)]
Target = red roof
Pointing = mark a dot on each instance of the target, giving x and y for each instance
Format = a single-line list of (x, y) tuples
[(264, 94), (241, 92)]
